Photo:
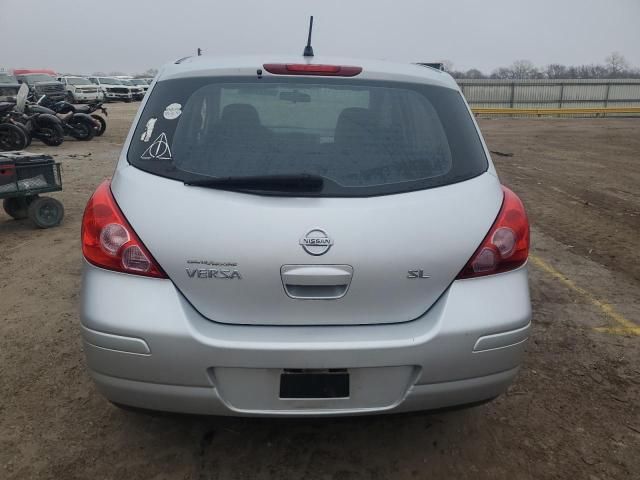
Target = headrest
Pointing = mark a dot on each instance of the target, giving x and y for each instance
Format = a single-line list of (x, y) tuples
[(240, 115), (354, 124)]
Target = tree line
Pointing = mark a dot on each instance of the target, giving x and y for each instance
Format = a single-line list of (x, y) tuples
[(614, 66)]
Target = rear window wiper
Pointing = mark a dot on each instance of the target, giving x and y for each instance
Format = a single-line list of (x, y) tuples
[(296, 183)]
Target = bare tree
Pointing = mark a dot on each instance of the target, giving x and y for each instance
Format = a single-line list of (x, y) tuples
[(616, 63), (474, 73), (555, 70), (524, 69), (503, 73), (616, 67)]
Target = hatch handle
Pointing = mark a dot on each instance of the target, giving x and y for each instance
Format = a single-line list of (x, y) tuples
[(316, 282)]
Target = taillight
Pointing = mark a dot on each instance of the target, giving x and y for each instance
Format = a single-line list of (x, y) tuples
[(312, 69), (506, 246), (108, 241)]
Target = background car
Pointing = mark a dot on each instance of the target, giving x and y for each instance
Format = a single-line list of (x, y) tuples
[(8, 87), (80, 90), (112, 88), (137, 91), (41, 84), (140, 82)]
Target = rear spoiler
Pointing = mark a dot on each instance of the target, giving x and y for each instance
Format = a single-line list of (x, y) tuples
[(436, 65)]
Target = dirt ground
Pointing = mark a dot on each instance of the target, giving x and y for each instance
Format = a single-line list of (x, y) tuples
[(574, 411)]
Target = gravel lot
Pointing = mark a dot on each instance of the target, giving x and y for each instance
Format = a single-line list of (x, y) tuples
[(573, 412)]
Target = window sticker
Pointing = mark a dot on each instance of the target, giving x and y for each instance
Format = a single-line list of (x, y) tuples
[(148, 130), (173, 111), (158, 150)]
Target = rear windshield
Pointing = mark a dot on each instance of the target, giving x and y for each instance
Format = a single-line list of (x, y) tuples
[(363, 138)]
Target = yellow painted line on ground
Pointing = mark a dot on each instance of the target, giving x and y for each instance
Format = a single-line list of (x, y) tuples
[(623, 326)]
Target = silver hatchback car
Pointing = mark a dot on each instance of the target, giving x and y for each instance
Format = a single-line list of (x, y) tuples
[(300, 237)]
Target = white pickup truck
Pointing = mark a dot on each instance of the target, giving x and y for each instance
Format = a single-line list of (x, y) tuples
[(80, 89)]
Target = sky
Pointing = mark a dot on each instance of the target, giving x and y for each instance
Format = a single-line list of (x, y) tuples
[(85, 36)]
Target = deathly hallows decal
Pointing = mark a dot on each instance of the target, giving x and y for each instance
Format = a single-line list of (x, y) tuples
[(159, 149)]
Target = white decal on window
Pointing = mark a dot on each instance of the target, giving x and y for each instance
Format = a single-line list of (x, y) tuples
[(173, 111), (148, 130), (159, 149)]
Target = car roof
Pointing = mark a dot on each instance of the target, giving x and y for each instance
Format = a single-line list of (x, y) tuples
[(248, 65)]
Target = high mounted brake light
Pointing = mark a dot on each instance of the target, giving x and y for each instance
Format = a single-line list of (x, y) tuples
[(312, 69), (108, 241), (506, 246)]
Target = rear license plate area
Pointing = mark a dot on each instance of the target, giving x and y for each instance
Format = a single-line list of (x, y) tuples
[(310, 384)]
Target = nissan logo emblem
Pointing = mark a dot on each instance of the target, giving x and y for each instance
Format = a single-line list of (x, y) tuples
[(316, 242)]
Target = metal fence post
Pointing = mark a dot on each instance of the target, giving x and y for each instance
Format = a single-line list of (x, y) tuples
[(561, 94), (513, 93)]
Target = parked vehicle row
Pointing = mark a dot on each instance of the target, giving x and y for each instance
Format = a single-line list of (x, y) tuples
[(72, 88), (48, 120)]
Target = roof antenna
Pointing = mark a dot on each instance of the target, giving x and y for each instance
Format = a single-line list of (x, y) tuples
[(308, 50)]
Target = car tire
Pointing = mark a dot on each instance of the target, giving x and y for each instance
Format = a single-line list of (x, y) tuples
[(45, 212), (70, 98)]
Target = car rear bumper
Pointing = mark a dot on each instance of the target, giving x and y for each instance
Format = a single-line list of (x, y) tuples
[(146, 346)]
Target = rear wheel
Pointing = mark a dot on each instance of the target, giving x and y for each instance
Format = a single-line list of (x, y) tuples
[(12, 137), (18, 207), (51, 134), (103, 124), (26, 132), (83, 129), (46, 212)]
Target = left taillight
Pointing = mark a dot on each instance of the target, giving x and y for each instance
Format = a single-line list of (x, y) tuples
[(109, 242)]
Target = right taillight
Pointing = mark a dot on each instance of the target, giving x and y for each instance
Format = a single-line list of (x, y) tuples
[(108, 241), (506, 246)]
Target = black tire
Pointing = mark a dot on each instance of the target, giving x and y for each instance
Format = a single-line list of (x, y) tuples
[(26, 132), (84, 129), (12, 137), (46, 212), (103, 124), (18, 207), (70, 98), (51, 134)]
